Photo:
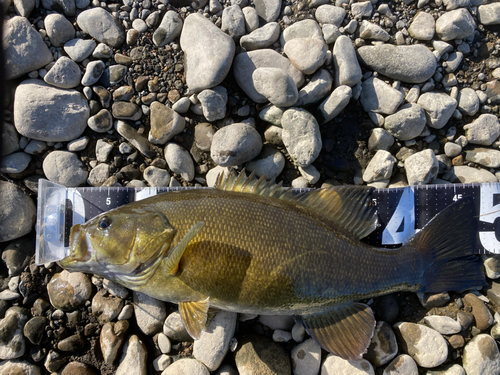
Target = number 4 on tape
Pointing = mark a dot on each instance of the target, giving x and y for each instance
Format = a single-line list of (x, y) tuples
[(401, 226)]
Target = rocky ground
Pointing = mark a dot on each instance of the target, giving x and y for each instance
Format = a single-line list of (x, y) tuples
[(313, 93)]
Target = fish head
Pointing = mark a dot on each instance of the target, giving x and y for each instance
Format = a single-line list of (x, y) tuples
[(121, 245)]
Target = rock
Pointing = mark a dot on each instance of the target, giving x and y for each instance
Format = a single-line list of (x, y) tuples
[(306, 358), (421, 168), (468, 101), (362, 9), (247, 62), (65, 74), (179, 161), (33, 330), (18, 212), (15, 163), (69, 290), (213, 102), (213, 344), (66, 120), (407, 123), (276, 86), (174, 329), (452, 149), (133, 360), (483, 131), (426, 346), (329, 14), (251, 18), (371, 31), (68, 7), (23, 8), (112, 75), (306, 54), (310, 173), (136, 139), (383, 347), (233, 22), (258, 355), (150, 313), (270, 163), (377, 96), (18, 366), (64, 168), (59, 29), (186, 366), (164, 343), (169, 29), (182, 105), (269, 10), (337, 365), (162, 362), (481, 356), (456, 24), (208, 52), (71, 343), (203, 135), (272, 114), (17, 254), (334, 104), (93, 73), (106, 308), (402, 365), (79, 49), (102, 51), (347, 69), (12, 342), (489, 14), (235, 144), (156, 176), (330, 33), (78, 368), (484, 156), (439, 108), (165, 123), (379, 167), (453, 61), (102, 26), (443, 324), (301, 136), (482, 315), (9, 139), (422, 26), (491, 265), (468, 175), (380, 139), (262, 37), (27, 53), (101, 122), (112, 338), (318, 87), (103, 150), (412, 64), (99, 175)]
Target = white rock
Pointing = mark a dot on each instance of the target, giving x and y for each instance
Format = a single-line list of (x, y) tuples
[(186, 366), (481, 356), (380, 167), (306, 358), (149, 313), (401, 365), (133, 360), (443, 324), (421, 168), (334, 365), (179, 161)]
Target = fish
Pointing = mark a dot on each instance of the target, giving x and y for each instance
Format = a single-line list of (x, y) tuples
[(252, 246)]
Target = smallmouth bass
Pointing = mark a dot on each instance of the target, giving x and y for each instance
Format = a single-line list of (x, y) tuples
[(250, 246)]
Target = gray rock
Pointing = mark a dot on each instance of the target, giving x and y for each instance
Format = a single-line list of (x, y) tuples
[(334, 104), (93, 72), (126, 111), (481, 356), (443, 324), (106, 307), (318, 87), (113, 74), (19, 366), (101, 122), (383, 347), (452, 149), (407, 123), (251, 19), (12, 341), (99, 174), (66, 119), (423, 26), (306, 54), (165, 123), (377, 96), (174, 329), (59, 29), (380, 167), (347, 69), (362, 9), (213, 102), (235, 144), (380, 139), (186, 366), (164, 343), (272, 114), (421, 168), (306, 358), (137, 140), (65, 74), (213, 344), (259, 355), (330, 33), (69, 290), (412, 64), (133, 360), (468, 175), (112, 338), (64, 168), (203, 135), (22, 7), (483, 131), (468, 101), (310, 173), (489, 14), (102, 51), (301, 136), (17, 254), (35, 147), (329, 14), (15, 163), (102, 150), (371, 31), (102, 26), (208, 52), (182, 105), (453, 61), (270, 163), (456, 24), (269, 10), (247, 62), (79, 49), (155, 176), (27, 53), (276, 86), (169, 29), (179, 161), (438, 107), (401, 365), (262, 37), (454, 4), (484, 156), (337, 365), (68, 7), (150, 313), (17, 211), (9, 139), (233, 22), (302, 29)]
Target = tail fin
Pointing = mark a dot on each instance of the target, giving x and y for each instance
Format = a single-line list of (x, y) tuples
[(449, 241)]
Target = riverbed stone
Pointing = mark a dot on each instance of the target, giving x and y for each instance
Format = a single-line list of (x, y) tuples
[(384, 346), (438, 107), (268, 10), (18, 212), (489, 14), (421, 168), (59, 29), (423, 26), (380, 167), (65, 168), (213, 103), (12, 341), (165, 123), (347, 69), (407, 123), (133, 360), (276, 86), (329, 14), (270, 162), (306, 357), (403, 364), (371, 31), (481, 356), (468, 101), (306, 54), (484, 130), (69, 290), (337, 365), (102, 26), (259, 355), (333, 104), (456, 24), (262, 37), (179, 161), (318, 87), (484, 156), (65, 74), (79, 49), (169, 29), (377, 96), (150, 313), (235, 144)]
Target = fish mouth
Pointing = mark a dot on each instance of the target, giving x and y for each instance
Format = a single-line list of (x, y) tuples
[(79, 249)]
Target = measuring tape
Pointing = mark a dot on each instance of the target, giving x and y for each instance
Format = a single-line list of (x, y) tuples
[(401, 212)]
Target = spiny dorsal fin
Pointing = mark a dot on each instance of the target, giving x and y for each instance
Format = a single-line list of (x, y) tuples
[(348, 206)]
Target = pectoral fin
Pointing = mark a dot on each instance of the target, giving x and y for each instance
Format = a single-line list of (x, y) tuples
[(345, 331), (172, 262), (194, 316)]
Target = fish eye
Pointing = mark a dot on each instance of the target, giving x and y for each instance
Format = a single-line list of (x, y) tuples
[(104, 223)]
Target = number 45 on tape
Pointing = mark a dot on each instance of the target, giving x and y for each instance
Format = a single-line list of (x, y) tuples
[(404, 211)]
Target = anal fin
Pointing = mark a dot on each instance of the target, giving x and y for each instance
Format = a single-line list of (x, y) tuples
[(194, 316), (345, 331)]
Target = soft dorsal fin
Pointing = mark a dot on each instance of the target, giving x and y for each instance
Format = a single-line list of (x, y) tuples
[(348, 206), (345, 331), (172, 261), (194, 316)]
